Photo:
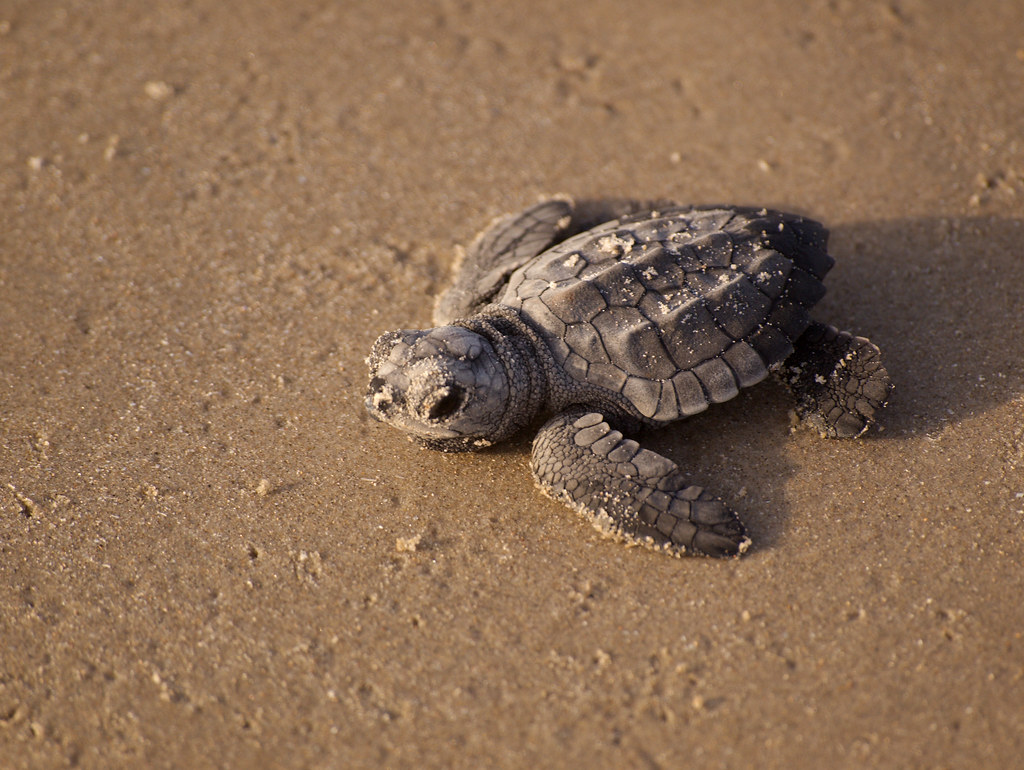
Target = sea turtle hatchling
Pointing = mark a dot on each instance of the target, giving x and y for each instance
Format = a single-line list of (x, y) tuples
[(607, 316)]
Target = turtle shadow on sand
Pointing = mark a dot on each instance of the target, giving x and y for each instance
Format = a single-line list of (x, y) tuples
[(944, 300)]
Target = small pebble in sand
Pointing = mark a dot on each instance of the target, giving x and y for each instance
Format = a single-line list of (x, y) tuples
[(110, 151), (407, 544), (158, 90)]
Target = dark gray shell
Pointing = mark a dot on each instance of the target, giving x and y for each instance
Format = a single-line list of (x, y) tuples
[(675, 309)]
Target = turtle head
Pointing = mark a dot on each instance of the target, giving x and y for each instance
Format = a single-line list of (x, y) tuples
[(446, 387)]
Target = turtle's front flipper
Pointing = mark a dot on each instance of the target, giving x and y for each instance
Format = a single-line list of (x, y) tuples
[(505, 246), (630, 492), (838, 380), (511, 241)]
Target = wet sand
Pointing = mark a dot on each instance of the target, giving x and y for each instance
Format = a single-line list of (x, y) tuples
[(211, 557)]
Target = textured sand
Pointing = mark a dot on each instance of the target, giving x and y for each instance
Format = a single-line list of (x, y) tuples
[(209, 555)]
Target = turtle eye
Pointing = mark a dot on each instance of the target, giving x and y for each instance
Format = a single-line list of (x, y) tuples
[(446, 402)]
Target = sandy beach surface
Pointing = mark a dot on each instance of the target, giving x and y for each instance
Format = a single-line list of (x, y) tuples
[(210, 556)]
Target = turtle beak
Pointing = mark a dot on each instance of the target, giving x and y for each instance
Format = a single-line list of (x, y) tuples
[(382, 398)]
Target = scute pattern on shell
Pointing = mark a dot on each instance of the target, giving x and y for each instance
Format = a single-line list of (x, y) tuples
[(675, 309)]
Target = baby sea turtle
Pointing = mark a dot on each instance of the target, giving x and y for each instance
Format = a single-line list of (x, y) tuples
[(607, 316)]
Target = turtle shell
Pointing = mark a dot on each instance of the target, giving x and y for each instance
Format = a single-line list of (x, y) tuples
[(675, 309)]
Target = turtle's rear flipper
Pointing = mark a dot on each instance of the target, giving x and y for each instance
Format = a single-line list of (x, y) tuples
[(838, 380), (630, 493)]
